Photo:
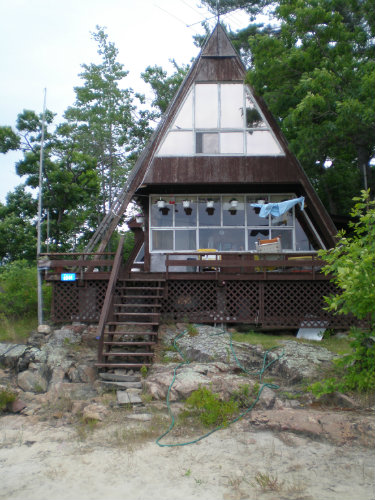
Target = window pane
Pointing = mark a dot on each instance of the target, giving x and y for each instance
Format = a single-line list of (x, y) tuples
[(253, 117), (233, 215), (261, 142), (161, 217), (253, 218), (225, 240), (206, 106), (231, 143), (185, 215), (302, 240), (185, 240), (207, 142), (231, 105), (209, 216), (184, 119), (284, 219), (178, 143), (255, 234), (162, 240), (286, 238)]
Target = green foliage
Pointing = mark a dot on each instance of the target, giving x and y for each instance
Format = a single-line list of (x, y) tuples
[(316, 72), (355, 282), (245, 395), (354, 371), (209, 408), (163, 85), (6, 397), (18, 290), (144, 371), (17, 226)]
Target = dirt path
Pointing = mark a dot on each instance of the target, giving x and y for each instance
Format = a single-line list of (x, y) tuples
[(44, 460)]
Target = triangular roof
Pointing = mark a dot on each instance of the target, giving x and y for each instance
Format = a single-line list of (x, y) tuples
[(255, 168)]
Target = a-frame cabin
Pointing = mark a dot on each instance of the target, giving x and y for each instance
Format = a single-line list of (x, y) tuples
[(203, 252)]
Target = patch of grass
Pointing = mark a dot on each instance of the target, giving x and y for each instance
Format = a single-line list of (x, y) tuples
[(16, 330), (269, 340), (6, 397), (191, 330), (245, 394), (85, 426), (266, 340), (267, 482), (132, 437)]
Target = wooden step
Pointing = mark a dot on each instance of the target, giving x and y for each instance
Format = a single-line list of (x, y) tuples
[(140, 296), (150, 288), (128, 343), (117, 323), (136, 314), (137, 305), (129, 354), (131, 333)]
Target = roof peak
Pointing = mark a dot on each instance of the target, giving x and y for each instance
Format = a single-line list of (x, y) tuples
[(218, 44)]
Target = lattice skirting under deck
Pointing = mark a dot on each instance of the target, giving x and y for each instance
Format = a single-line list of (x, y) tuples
[(280, 304)]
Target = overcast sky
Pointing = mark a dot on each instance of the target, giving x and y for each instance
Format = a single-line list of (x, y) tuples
[(44, 42)]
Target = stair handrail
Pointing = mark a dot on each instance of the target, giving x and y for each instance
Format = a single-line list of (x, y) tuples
[(108, 297)]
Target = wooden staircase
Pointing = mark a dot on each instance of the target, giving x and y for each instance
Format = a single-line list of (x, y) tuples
[(131, 332)]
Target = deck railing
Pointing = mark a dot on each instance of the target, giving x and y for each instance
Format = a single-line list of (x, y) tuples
[(245, 262), (79, 263)]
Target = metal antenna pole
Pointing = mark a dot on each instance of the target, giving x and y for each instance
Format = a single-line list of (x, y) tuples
[(39, 228)]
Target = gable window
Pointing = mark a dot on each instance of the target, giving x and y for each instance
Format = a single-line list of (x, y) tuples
[(219, 119), (222, 223)]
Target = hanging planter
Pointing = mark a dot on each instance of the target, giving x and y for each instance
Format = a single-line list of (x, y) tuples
[(139, 218), (261, 202), (186, 203), (210, 203), (233, 203), (160, 203)]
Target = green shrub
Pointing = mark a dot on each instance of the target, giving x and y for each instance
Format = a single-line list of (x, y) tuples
[(18, 290), (209, 408), (354, 371), (351, 263), (6, 397)]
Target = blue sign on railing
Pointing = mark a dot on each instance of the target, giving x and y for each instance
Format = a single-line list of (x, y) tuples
[(68, 276)]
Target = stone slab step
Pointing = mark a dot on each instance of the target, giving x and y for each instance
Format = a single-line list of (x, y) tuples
[(128, 397), (111, 384), (117, 377), (125, 366)]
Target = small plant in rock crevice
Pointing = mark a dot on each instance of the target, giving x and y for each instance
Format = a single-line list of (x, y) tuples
[(6, 398), (209, 408)]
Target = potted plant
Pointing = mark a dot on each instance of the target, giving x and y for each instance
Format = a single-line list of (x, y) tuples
[(210, 203), (160, 203), (139, 218), (233, 203), (186, 203)]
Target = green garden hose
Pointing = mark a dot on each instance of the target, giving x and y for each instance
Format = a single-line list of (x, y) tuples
[(265, 365)]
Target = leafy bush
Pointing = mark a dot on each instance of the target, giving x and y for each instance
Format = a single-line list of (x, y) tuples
[(210, 409), (352, 262), (6, 397), (18, 290)]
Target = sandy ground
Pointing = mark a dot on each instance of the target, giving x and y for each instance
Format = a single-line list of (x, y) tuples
[(49, 460)]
